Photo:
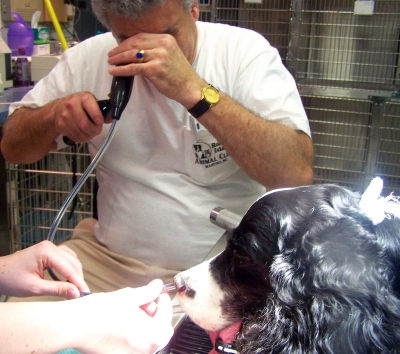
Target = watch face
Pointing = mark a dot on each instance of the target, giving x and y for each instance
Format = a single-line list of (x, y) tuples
[(211, 94)]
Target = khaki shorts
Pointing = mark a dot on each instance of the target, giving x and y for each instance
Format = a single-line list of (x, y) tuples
[(105, 270)]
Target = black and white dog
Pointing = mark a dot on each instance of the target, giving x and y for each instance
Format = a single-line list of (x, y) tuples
[(313, 269)]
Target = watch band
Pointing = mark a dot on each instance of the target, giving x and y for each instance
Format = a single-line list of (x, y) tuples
[(209, 97), (199, 108)]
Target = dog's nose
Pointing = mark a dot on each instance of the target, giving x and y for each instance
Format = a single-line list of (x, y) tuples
[(182, 286), (180, 283)]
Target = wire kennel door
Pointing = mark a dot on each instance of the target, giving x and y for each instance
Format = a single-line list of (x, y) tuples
[(331, 47), (355, 140), (37, 191), (340, 135), (270, 18), (385, 150)]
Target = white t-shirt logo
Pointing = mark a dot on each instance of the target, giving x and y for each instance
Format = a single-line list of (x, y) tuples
[(210, 155)]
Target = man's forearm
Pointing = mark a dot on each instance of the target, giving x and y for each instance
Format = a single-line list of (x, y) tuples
[(273, 154), (29, 134)]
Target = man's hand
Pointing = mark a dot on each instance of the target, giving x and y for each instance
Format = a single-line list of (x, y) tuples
[(30, 133), (78, 117), (164, 64)]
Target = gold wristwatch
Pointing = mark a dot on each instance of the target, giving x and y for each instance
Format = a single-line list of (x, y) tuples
[(209, 97)]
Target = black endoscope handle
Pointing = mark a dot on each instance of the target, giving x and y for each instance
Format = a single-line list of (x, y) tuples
[(121, 89)]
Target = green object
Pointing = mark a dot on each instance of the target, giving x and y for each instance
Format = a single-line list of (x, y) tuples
[(41, 35)]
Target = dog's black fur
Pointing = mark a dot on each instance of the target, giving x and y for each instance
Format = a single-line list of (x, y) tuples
[(310, 273)]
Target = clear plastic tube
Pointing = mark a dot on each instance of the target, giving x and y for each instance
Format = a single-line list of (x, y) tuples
[(77, 187)]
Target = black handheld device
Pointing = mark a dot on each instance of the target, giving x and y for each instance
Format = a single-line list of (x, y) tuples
[(121, 89)]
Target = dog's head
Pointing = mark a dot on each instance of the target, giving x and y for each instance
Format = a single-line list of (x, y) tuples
[(306, 270)]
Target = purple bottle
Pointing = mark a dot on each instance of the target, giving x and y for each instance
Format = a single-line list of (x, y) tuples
[(20, 35)]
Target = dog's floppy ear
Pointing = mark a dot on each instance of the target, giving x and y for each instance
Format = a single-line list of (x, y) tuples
[(257, 234)]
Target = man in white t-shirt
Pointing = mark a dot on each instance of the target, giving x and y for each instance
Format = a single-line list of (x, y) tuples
[(214, 119)]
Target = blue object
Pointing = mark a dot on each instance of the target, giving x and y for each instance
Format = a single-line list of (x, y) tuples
[(68, 351), (20, 35)]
